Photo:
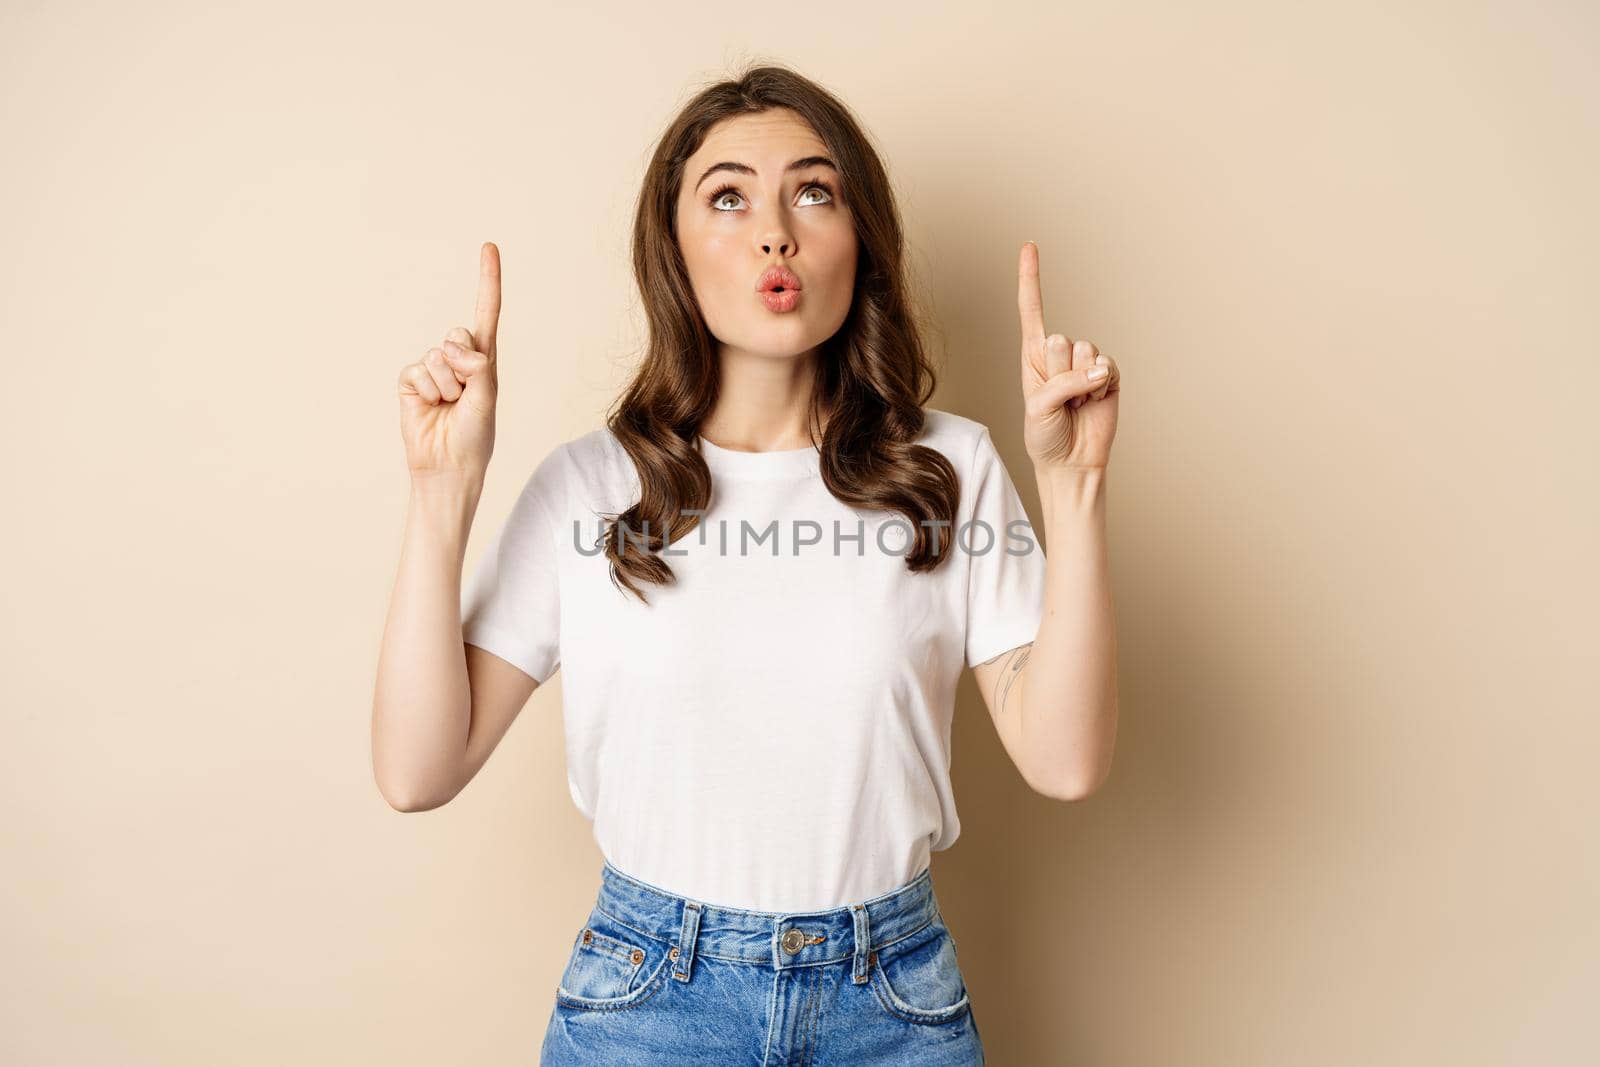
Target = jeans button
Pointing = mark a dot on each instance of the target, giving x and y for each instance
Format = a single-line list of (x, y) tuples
[(793, 939)]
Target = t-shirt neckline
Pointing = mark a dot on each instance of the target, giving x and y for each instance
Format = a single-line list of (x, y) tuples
[(781, 463)]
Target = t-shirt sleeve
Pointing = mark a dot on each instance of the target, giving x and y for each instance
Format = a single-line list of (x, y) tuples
[(1005, 584), (511, 602)]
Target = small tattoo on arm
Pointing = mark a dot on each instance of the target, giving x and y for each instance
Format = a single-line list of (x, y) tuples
[(1015, 659)]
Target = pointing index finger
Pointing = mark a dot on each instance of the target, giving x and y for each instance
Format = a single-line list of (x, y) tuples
[(1030, 305), (486, 320)]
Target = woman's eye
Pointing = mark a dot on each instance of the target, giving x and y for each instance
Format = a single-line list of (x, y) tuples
[(721, 196)]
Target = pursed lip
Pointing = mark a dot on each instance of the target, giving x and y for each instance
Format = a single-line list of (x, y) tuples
[(773, 277)]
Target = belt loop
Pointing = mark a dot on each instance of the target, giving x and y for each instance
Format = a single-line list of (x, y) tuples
[(683, 951), (863, 942)]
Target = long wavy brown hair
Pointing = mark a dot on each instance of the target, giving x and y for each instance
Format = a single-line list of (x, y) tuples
[(873, 375)]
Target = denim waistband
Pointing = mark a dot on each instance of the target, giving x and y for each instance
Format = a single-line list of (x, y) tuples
[(852, 932)]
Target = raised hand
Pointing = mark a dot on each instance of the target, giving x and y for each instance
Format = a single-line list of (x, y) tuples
[(447, 397), (1069, 417)]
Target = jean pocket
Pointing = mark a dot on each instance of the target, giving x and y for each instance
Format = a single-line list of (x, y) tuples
[(611, 966), (919, 980)]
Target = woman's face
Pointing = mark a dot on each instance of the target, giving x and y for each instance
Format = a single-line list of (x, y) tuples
[(742, 210)]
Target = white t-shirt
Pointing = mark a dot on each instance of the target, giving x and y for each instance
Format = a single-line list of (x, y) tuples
[(772, 731)]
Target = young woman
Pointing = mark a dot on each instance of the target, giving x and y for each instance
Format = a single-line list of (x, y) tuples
[(762, 578)]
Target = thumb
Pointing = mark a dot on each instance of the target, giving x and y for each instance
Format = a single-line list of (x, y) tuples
[(1060, 388), (476, 372)]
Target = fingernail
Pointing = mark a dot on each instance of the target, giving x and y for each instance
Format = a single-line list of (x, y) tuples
[(1096, 373)]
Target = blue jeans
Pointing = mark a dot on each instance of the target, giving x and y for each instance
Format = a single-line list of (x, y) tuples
[(656, 979)]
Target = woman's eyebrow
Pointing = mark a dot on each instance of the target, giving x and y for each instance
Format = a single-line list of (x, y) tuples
[(743, 168)]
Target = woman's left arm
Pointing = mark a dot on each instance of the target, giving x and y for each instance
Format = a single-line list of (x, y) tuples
[(1054, 701)]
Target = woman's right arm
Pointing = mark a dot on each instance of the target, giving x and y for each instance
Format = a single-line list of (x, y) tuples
[(441, 706)]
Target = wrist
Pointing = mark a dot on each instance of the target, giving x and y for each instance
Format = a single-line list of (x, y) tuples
[(1071, 479), (446, 486), (1065, 492), (446, 502)]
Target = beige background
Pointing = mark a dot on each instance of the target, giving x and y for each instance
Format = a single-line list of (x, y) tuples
[(1344, 253)]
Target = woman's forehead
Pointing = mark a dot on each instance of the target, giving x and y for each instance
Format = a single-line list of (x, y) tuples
[(774, 133)]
